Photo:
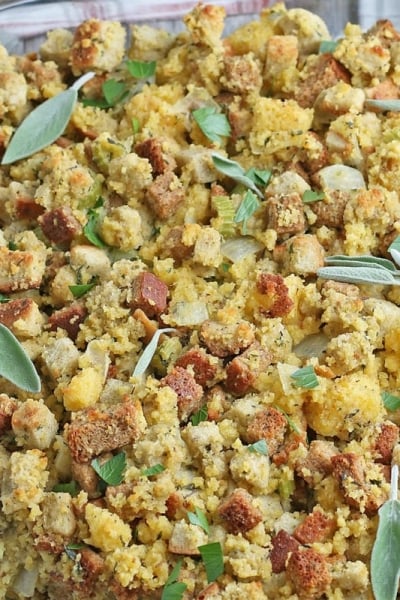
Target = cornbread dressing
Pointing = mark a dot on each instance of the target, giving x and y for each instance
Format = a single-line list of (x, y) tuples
[(126, 231)]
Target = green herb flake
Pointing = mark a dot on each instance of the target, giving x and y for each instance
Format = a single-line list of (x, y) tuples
[(260, 177), (94, 219), (112, 471), (154, 470), (199, 518), (247, 208), (174, 589), (44, 124), (290, 421), (149, 352), (327, 46), (385, 564), (235, 171), (200, 415), (135, 125), (310, 196), (305, 378), (4, 299), (212, 123), (213, 560), (261, 447), (141, 69), (70, 488), (80, 290), (113, 92), (15, 364), (390, 401)]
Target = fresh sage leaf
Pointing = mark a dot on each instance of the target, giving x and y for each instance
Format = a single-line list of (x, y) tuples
[(390, 402), (199, 518), (112, 471), (71, 488), (358, 275), (342, 260), (4, 299), (44, 124), (212, 123), (114, 91), (149, 352), (141, 69), (15, 364), (305, 378), (213, 560), (232, 169), (385, 563), (94, 218), (261, 447), (260, 177), (290, 421), (394, 250), (247, 208), (383, 105)]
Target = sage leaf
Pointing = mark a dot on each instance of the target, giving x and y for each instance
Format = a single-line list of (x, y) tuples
[(15, 364), (390, 402), (261, 447), (199, 416), (383, 105), (174, 589), (149, 351), (199, 518), (232, 169), (358, 275), (154, 470), (327, 46), (44, 124), (112, 471), (360, 260), (212, 123), (213, 560), (247, 208), (310, 196), (141, 69), (385, 563), (394, 250), (305, 378)]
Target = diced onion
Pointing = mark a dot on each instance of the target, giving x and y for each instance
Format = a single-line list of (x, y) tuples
[(25, 582), (285, 371), (340, 177), (312, 345), (237, 248), (188, 313)]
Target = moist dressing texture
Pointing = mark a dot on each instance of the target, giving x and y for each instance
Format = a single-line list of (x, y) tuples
[(215, 420)]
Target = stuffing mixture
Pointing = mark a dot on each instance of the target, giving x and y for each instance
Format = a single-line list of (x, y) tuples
[(213, 421)]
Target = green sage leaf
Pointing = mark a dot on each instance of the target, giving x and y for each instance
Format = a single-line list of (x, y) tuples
[(90, 229), (394, 250), (154, 470), (141, 69), (71, 488), (200, 415), (44, 124), (327, 46), (232, 169), (247, 208), (174, 589), (15, 364), (81, 289), (310, 196), (212, 123), (261, 447), (342, 260), (385, 564), (260, 177), (305, 378), (383, 105), (358, 275), (213, 560)]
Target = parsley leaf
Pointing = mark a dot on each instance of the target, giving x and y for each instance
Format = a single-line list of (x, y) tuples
[(199, 518), (112, 471), (113, 92), (212, 123), (71, 488), (4, 299), (154, 470), (261, 447), (174, 589), (200, 415), (260, 177), (213, 560), (15, 364), (310, 196), (305, 378), (90, 229), (233, 169), (141, 69), (80, 290), (394, 250)]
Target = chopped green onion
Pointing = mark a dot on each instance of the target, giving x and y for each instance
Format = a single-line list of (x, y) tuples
[(305, 377), (213, 560)]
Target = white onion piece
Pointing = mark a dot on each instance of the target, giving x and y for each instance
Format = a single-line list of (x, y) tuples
[(237, 248), (25, 582), (340, 177), (189, 313), (285, 371), (312, 345)]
